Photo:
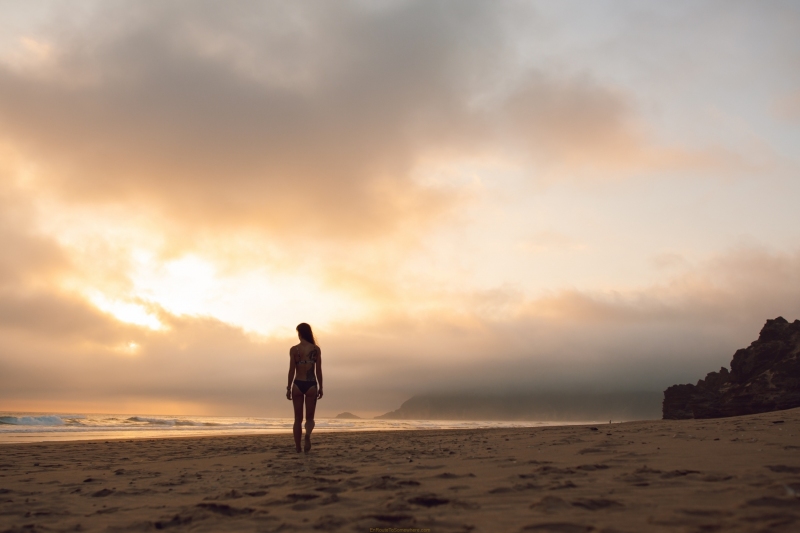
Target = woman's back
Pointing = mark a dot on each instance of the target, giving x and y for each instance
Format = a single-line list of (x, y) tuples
[(305, 357)]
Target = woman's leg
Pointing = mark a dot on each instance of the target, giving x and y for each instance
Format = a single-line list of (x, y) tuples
[(311, 406), (297, 401)]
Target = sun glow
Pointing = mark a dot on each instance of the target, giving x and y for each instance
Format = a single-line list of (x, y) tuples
[(128, 348), (258, 299), (129, 312)]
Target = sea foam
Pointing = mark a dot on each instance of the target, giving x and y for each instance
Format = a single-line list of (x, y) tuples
[(48, 420)]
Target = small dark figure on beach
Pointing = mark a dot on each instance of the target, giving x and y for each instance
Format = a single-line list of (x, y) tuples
[(305, 368)]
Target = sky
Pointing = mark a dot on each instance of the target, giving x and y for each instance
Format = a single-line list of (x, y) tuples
[(457, 196)]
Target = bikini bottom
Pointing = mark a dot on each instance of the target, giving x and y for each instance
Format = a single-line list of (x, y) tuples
[(304, 385)]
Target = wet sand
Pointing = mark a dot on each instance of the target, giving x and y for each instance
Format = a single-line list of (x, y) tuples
[(735, 474)]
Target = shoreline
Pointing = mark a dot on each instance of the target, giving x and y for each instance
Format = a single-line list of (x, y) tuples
[(33, 434), (280, 433), (733, 474)]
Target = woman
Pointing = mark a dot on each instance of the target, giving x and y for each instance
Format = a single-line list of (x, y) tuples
[(305, 368)]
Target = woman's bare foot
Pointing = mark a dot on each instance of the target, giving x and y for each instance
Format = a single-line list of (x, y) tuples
[(298, 449), (307, 447)]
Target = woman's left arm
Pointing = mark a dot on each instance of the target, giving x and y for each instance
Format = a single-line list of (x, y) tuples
[(319, 374)]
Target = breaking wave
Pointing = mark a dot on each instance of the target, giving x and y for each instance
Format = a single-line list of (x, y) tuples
[(48, 420), (169, 422), (37, 427)]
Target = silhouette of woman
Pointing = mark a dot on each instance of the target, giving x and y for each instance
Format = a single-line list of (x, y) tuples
[(305, 368)]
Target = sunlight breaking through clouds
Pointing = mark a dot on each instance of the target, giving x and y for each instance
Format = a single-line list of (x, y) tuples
[(589, 195), (129, 312)]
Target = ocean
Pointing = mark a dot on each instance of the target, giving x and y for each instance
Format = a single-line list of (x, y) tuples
[(40, 427)]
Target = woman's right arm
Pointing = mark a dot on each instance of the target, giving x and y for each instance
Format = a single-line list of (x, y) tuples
[(292, 369)]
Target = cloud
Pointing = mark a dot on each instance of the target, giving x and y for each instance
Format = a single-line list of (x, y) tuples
[(637, 339), (787, 107), (32, 266), (500, 340), (297, 120), (168, 114), (290, 144), (579, 129), (549, 241)]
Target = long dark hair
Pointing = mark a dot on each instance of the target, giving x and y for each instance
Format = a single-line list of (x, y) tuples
[(304, 330)]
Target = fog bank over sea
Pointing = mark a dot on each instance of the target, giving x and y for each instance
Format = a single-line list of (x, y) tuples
[(541, 406)]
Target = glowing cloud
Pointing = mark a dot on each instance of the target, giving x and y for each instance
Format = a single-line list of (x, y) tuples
[(570, 195)]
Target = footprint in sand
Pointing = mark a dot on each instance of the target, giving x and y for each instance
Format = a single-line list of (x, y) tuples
[(712, 513), (394, 519), (559, 527), (597, 504), (390, 483), (565, 485), (449, 475), (770, 501), (225, 510), (331, 490), (550, 504), (428, 500), (783, 469), (592, 468), (329, 523)]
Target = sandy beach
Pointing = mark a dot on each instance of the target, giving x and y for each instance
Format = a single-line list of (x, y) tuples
[(733, 474)]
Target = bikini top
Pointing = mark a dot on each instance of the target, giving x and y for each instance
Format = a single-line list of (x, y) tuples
[(312, 354)]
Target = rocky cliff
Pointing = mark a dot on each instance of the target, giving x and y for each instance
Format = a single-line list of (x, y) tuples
[(763, 377)]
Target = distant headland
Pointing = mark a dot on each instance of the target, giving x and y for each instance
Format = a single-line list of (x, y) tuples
[(553, 406), (348, 416)]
